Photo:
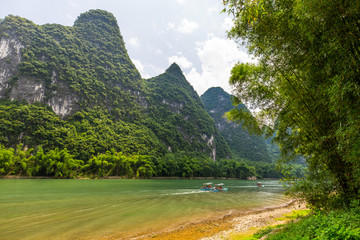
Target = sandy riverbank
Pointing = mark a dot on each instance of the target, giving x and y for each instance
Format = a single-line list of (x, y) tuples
[(239, 223)]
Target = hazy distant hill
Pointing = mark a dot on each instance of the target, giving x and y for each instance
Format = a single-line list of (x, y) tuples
[(217, 102)]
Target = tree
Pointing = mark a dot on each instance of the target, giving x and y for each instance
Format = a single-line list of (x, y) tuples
[(306, 84)]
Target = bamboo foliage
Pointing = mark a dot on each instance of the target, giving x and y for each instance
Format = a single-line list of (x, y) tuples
[(306, 84)]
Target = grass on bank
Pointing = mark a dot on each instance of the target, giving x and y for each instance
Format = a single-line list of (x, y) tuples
[(259, 232), (338, 224)]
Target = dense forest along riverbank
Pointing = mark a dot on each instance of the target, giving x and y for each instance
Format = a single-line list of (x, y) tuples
[(110, 208)]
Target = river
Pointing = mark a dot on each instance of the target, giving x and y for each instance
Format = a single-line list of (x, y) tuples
[(92, 209)]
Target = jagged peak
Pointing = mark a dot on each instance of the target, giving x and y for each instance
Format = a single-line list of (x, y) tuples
[(95, 15), (174, 69), (215, 89), (218, 91), (100, 27)]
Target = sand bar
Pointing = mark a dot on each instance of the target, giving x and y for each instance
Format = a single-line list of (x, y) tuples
[(225, 226)]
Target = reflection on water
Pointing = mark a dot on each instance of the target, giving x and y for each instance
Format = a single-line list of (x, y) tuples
[(62, 209)]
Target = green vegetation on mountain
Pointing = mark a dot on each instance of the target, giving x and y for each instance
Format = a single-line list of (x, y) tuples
[(251, 149), (73, 104), (307, 85), (84, 134), (90, 58), (243, 145), (181, 120), (74, 92)]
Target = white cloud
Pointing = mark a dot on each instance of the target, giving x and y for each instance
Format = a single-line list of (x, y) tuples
[(227, 24), (147, 70), (170, 25), (181, 2), (140, 67), (186, 26), (217, 56), (134, 42), (169, 45), (182, 61), (73, 4), (153, 70), (71, 18), (158, 52), (213, 10)]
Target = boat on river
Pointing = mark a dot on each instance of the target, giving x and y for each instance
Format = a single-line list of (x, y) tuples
[(216, 188), (259, 184)]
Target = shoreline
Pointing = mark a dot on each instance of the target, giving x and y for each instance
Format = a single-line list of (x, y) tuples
[(123, 177), (225, 226)]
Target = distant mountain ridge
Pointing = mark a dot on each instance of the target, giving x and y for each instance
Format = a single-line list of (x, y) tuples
[(177, 103), (242, 145)]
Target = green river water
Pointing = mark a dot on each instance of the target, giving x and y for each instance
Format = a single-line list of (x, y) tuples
[(91, 209)]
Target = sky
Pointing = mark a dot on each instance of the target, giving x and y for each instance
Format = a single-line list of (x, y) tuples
[(157, 33)]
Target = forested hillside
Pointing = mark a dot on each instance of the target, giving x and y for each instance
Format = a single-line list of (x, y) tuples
[(182, 121), (243, 145), (74, 91), (86, 89), (253, 149), (68, 68)]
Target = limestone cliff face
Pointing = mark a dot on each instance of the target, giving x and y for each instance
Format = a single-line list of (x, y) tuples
[(15, 85), (11, 85), (67, 67), (10, 57), (32, 90)]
